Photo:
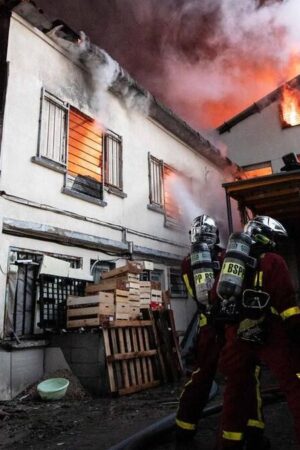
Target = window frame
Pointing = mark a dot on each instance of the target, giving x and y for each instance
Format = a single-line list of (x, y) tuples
[(62, 167), (57, 102), (109, 134), (160, 164), (68, 190)]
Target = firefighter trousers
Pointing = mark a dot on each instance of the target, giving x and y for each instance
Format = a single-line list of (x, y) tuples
[(237, 362), (196, 391)]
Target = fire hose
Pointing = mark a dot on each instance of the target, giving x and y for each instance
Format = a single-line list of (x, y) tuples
[(153, 433)]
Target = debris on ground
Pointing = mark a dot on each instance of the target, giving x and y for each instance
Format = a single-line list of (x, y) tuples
[(74, 392)]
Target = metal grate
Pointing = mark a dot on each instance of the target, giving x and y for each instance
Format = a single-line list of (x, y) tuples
[(53, 295)]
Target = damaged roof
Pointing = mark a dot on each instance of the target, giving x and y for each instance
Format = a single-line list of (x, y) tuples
[(258, 106), (28, 10)]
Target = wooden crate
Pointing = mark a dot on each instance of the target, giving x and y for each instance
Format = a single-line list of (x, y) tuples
[(121, 296), (131, 267), (106, 285), (132, 355), (90, 311), (134, 312), (156, 296)]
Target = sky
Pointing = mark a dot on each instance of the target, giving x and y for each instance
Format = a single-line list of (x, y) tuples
[(205, 59)]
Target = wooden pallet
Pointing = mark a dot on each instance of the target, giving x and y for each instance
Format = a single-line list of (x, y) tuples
[(132, 356)]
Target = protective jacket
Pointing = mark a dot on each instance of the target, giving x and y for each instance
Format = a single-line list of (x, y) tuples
[(210, 340), (239, 357)]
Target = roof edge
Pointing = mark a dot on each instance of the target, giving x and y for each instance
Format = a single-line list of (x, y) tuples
[(257, 106), (157, 111)]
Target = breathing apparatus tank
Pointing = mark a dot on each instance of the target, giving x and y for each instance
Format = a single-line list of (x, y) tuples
[(203, 273), (232, 273)]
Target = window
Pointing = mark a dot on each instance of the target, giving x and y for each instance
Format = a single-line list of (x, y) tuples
[(99, 267), (156, 275), (163, 193), (84, 165), (53, 129), (156, 181), (289, 106), (258, 170), (172, 183), (113, 160), (73, 143), (177, 286)]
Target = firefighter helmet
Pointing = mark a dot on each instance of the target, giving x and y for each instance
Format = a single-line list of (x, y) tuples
[(204, 229), (265, 230)]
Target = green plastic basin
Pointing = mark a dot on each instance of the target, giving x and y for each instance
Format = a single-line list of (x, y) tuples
[(53, 388)]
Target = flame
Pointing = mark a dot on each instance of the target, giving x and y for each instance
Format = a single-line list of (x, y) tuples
[(252, 81), (290, 106)]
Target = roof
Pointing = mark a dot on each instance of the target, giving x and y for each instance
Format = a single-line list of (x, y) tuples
[(258, 106), (276, 195), (157, 111)]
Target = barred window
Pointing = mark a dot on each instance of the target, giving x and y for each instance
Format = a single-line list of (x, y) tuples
[(53, 129), (156, 181), (73, 143), (84, 167), (113, 160)]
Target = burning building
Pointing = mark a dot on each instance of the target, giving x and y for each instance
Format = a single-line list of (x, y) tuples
[(87, 157), (264, 140)]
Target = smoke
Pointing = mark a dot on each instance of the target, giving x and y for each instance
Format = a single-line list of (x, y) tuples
[(104, 73), (244, 52), (193, 198), (206, 60)]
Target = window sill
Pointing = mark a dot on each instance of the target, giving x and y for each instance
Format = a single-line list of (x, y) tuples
[(26, 344), (156, 208), (171, 224), (49, 164), (115, 191), (84, 197)]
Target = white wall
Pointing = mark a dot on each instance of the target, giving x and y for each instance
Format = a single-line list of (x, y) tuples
[(260, 138), (35, 62)]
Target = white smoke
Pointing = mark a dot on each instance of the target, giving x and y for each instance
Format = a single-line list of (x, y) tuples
[(205, 196), (104, 73), (243, 40)]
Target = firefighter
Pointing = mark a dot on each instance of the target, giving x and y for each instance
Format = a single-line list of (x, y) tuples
[(268, 317), (206, 258)]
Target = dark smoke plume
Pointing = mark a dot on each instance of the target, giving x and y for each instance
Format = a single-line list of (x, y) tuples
[(206, 59)]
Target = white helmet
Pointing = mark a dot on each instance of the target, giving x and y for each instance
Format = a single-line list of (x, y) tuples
[(204, 229), (265, 230)]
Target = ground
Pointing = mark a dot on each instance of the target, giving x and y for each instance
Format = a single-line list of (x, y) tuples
[(80, 422)]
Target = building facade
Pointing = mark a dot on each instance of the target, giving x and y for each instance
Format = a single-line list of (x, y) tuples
[(93, 172)]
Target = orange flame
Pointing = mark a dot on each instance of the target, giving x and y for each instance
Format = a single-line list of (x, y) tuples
[(290, 106)]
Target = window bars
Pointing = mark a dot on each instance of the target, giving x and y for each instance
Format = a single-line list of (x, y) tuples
[(53, 129), (156, 181), (84, 171), (113, 160), (53, 294)]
